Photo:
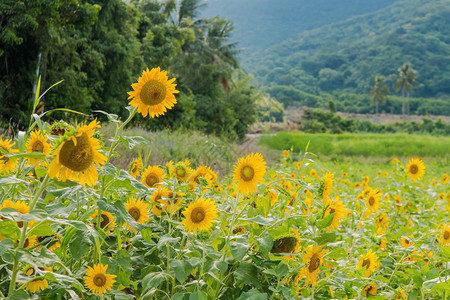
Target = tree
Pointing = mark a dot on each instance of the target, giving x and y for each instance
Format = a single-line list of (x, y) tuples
[(405, 81), (379, 91)]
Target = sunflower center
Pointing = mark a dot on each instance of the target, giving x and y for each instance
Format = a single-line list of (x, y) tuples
[(247, 173), (369, 289), (105, 221), (314, 263), (446, 235), (99, 280), (77, 157), (38, 147), (180, 172), (135, 213), (198, 215), (366, 263), (332, 211), (371, 201), (151, 180), (413, 169), (60, 131), (134, 168), (26, 243), (153, 92)]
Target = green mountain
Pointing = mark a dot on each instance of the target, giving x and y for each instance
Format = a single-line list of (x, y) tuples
[(262, 23), (346, 56)]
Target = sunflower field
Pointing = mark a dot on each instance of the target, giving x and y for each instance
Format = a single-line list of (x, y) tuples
[(74, 226)]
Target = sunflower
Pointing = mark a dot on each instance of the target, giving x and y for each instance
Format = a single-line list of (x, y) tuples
[(381, 220), (340, 212), (153, 93), (273, 196), (444, 179), (357, 185), (445, 236), (394, 161), (299, 165), (406, 243), (136, 167), (182, 171), (152, 176), (286, 153), (400, 294), (97, 280), (415, 169), (313, 173), (368, 261), (201, 172), (60, 128), (200, 215), (77, 156), (7, 164), (35, 285), (370, 289), (287, 243), (313, 258), (174, 200), (37, 143), (248, 172), (20, 206), (138, 210), (106, 218), (373, 200), (157, 197), (30, 242), (327, 187)]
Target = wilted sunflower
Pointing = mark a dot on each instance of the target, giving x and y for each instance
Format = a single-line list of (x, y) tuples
[(37, 143), (369, 262), (97, 280), (313, 258), (287, 243), (340, 212), (415, 169), (153, 94), (370, 289), (248, 172), (77, 156), (152, 176), (7, 164), (106, 220), (373, 200), (445, 236), (157, 197), (138, 210), (136, 167), (199, 215)]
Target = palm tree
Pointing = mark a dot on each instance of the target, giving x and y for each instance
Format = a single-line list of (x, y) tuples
[(379, 91), (406, 79)]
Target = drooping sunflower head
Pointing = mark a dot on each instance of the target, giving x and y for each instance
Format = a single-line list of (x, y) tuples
[(153, 94), (38, 142), (445, 235), (159, 204), (368, 262), (287, 243), (152, 176), (97, 280), (7, 164), (138, 210), (415, 169), (248, 172), (60, 128), (135, 167), (370, 289), (199, 215), (77, 155)]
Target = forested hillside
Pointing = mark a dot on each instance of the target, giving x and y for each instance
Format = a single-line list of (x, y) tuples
[(346, 56)]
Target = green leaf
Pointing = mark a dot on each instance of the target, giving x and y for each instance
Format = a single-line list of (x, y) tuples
[(199, 295), (19, 295), (12, 180), (441, 287), (282, 269), (80, 245), (179, 267), (265, 243), (153, 280), (326, 238), (5, 245), (133, 141), (446, 251), (259, 220), (253, 294), (248, 273), (167, 239), (42, 229), (325, 222), (9, 229), (239, 248), (337, 253), (146, 234)]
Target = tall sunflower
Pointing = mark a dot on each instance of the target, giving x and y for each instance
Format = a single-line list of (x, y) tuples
[(153, 93), (369, 262), (313, 258), (415, 169), (340, 212), (37, 143), (152, 176), (77, 156), (97, 280), (248, 172), (199, 215), (136, 167), (7, 164), (445, 236), (138, 210)]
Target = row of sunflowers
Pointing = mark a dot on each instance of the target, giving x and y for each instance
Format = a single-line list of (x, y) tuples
[(75, 226)]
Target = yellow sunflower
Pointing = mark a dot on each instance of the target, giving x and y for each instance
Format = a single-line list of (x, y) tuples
[(106, 220), (157, 197), (37, 143), (248, 172), (286, 153), (182, 171), (97, 280), (313, 258), (77, 156), (7, 164), (340, 212), (153, 93), (406, 243), (201, 172), (415, 169), (174, 201), (136, 167), (152, 176), (394, 161), (373, 200), (273, 196), (444, 179), (370, 289), (327, 186), (30, 242), (400, 294), (381, 220), (138, 210), (369, 262), (200, 215), (313, 173), (445, 236), (36, 284), (20, 206), (299, 165)]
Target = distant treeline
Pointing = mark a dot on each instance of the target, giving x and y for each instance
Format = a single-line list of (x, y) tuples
[(319, 121)]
